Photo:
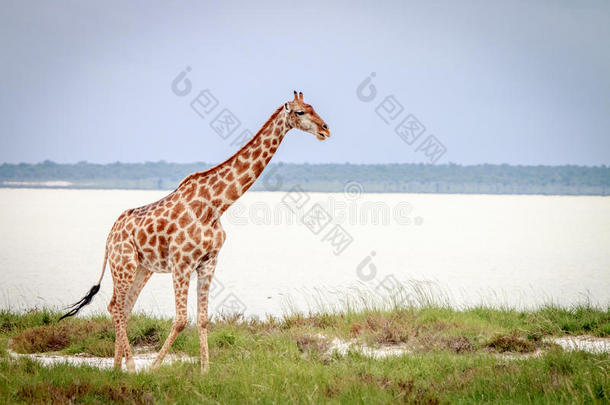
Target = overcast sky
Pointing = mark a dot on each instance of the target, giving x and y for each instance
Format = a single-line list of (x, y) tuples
[(520, 82)]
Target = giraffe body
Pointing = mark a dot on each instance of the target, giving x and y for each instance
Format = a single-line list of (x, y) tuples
[(181, 233)]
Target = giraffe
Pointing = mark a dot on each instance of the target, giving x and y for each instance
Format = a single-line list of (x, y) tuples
[(181, 233)]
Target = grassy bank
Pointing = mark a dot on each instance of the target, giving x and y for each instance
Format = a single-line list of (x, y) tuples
[(470, 356)]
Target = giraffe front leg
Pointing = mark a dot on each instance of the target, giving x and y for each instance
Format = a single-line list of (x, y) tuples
[(181, 280), (204, 279)]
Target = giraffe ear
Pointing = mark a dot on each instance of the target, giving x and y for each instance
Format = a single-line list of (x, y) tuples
[(286, 107)]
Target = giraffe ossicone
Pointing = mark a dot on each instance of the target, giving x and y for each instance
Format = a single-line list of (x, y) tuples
[(181, 233)]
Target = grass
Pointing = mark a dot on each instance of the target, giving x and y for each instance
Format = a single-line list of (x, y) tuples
[(458, 358)]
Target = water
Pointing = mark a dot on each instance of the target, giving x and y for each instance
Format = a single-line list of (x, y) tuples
[(519, 251)]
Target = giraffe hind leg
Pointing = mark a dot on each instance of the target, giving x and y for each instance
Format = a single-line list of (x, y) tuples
[(123, 278), (204, 278), (114, 309), (181, 279), (141, 278)]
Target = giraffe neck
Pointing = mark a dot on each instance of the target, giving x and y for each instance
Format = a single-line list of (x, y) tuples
[(223, 184)]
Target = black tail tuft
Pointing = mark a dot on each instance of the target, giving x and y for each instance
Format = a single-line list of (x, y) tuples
[(86, 300)]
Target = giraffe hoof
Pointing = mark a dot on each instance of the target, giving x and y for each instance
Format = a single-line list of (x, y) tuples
[(130, 365)]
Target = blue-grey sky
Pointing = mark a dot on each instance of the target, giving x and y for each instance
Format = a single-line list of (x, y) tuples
[(520, 82)]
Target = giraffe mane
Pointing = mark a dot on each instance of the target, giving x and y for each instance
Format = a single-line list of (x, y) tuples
[(216, 167)]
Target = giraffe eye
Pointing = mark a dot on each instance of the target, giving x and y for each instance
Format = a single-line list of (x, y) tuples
[(300, 112)]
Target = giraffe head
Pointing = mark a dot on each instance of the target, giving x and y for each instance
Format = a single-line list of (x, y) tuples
[(302, 116)]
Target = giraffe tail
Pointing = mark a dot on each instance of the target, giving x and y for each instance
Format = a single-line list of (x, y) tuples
[(86, 300)]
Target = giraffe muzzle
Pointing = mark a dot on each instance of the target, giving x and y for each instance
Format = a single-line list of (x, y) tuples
[(324, 133)]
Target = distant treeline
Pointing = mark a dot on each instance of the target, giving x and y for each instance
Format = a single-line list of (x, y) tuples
[(414, 178)]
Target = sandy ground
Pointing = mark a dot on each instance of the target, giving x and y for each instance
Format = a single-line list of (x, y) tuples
[(584, 343), (142, 360), (342, 347)]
